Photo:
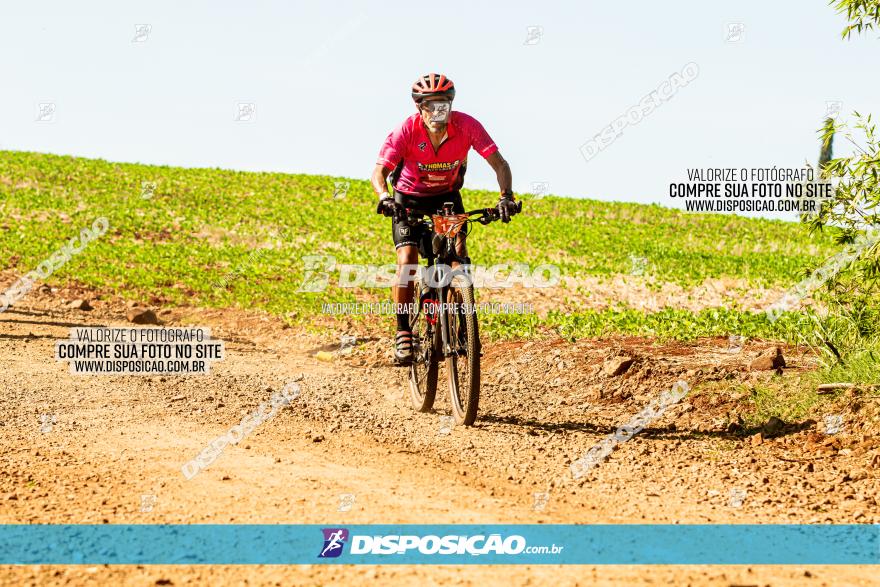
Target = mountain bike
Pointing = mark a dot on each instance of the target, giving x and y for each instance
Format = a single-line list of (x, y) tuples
[(444, 318)]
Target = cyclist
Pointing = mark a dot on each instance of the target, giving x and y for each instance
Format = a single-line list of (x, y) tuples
[(426, 156)]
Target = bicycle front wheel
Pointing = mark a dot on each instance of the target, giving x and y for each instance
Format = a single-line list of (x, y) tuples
[(463, 363), (425, 365)]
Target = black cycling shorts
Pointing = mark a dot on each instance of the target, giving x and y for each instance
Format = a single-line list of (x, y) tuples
[(404, 234)]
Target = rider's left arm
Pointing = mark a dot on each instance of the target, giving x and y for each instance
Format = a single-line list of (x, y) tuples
[(502, 171)]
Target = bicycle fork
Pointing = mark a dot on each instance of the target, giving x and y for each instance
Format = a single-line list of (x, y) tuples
[(449, 338), (440, 274)]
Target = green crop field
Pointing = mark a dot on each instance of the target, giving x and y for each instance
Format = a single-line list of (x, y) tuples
[(196, 226)]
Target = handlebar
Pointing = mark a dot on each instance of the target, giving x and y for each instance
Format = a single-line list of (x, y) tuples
[(484, 215), (488, 215)]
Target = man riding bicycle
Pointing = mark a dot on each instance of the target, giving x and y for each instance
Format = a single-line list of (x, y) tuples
[(426, 157)]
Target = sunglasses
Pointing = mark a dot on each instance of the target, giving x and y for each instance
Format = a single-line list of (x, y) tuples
[(435, 106)]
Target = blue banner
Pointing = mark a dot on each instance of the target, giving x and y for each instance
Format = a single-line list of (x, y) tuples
[(645, 544)]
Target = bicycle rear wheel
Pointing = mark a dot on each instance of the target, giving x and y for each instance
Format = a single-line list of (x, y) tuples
[(425, 365), (463, 365)]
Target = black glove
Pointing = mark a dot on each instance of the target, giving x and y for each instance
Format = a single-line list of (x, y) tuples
[(388, 207), (507, 207)]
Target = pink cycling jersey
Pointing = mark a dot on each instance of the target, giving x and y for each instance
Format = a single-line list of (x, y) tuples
[(427, 171)]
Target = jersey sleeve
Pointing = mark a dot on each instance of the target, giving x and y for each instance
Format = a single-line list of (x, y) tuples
[(481, 142), (393, 148)]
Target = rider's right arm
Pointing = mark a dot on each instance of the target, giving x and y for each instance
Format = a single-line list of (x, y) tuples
[(380, 180), (393, 150)]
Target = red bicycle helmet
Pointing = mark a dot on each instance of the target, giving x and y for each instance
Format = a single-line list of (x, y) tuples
[(433, 84)]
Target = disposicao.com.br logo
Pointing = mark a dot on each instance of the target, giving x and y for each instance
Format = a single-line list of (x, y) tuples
[(393, 544)]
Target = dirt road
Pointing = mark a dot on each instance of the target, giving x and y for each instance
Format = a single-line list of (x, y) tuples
[(77, 449)]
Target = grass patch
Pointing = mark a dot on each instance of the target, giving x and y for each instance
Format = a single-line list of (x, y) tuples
[(195, 226)]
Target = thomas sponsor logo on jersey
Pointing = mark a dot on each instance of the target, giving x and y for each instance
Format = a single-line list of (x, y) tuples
[(442, 166), (334, 541)]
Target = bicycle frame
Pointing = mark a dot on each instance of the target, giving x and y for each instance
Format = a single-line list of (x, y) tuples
[(444, 259)]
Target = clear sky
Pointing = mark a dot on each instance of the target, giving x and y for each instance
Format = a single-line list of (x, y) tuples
[(329, 80)]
